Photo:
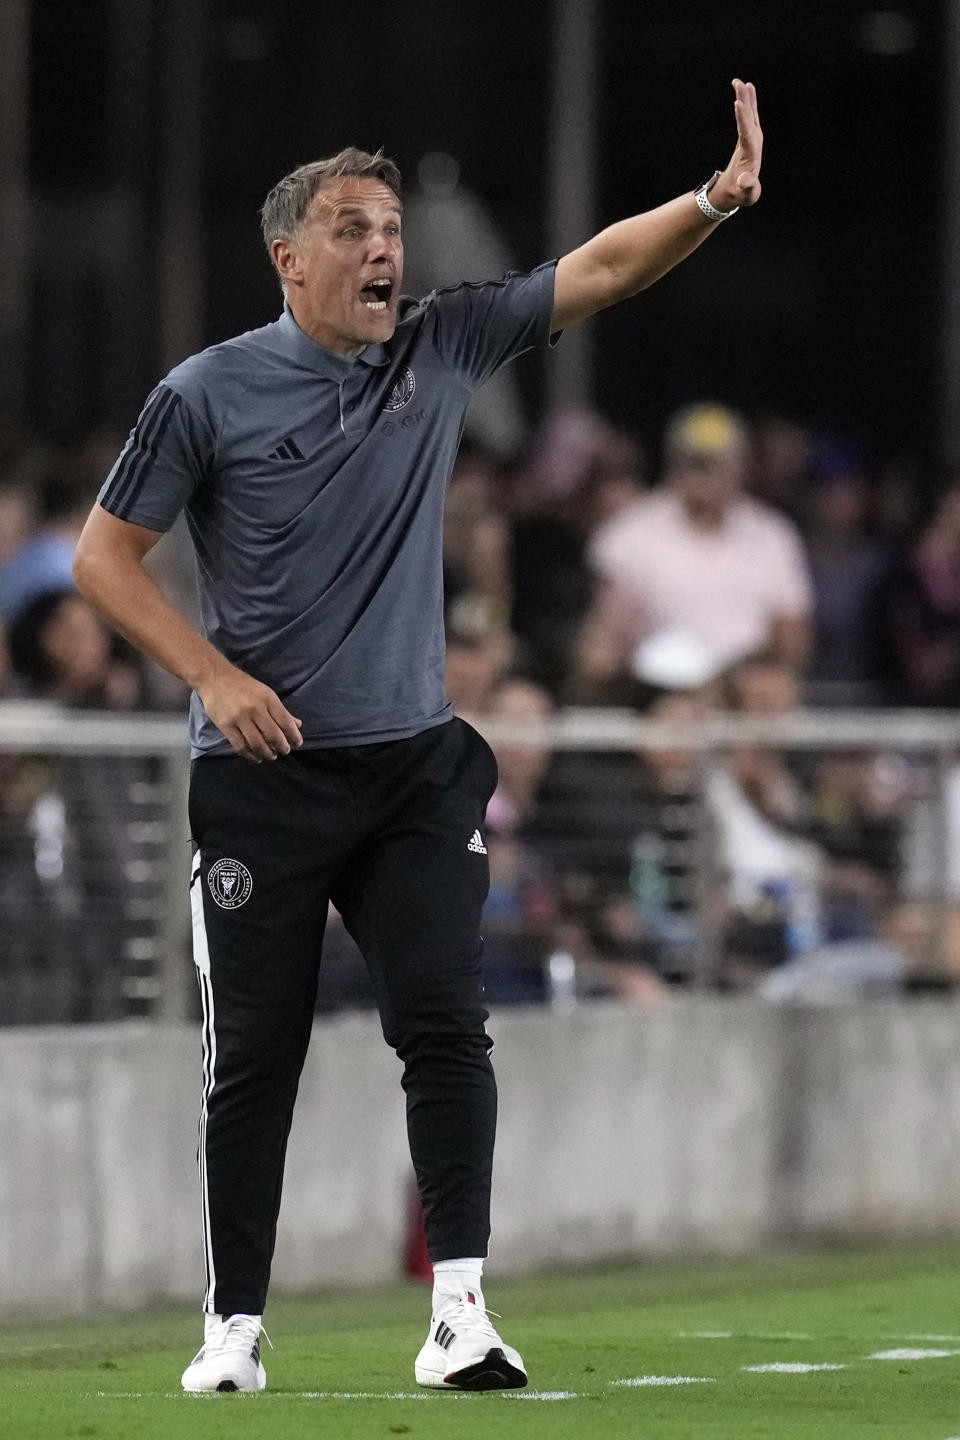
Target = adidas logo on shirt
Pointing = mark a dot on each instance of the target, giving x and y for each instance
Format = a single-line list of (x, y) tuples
[(476, 844), (287, 450)]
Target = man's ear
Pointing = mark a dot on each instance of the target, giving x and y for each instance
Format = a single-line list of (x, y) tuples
[(286, 258)]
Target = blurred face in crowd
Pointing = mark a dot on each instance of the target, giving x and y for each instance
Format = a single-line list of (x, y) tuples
[(674, 768), (474, 667), (522, 767), (77, 646), (707, 481), (343, 270), (840, 504)]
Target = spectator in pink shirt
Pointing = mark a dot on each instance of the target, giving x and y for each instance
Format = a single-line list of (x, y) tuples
[(696, 556)]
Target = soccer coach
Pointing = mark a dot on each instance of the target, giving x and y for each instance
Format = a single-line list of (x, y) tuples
[(311, 458)]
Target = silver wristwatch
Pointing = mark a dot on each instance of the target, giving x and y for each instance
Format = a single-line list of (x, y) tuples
[(711, 211)]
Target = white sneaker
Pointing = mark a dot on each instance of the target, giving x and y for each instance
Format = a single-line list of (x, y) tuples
[(229, 1358), (464, 1352)]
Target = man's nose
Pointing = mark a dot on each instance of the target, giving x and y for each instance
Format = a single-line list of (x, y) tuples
[(385, 247)]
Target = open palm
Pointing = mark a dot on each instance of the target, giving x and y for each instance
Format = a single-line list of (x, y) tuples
[(744, 167)]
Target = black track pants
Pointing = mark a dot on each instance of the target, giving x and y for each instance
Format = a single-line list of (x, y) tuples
[(386, 832)]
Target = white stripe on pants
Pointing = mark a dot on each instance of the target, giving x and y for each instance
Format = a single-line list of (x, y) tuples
[(201, 958)]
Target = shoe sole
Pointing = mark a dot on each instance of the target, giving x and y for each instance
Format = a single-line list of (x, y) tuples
[(493, 1372), (226, 1387)]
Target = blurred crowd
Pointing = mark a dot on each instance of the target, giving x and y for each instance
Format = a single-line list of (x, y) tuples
[(756, 569)]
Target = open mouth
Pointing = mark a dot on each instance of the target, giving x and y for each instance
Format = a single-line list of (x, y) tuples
[(376, 295)]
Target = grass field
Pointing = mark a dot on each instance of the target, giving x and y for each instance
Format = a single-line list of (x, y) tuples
[(600, 1346)]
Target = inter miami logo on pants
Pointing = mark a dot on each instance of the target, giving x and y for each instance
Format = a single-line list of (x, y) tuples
[(230, 884)]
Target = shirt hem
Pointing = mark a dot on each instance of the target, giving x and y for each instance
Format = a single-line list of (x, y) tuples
[(340, 742)]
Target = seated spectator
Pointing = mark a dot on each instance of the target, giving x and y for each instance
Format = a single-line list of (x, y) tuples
[(478, 657), (476, 547), (521, 913), (782, 448), (16, 518), (812, 843), (697, 556), (621, 832), (74, 830), (583, 472), (898, 957), (44, 561), (763, 685), (61, 650), (922, 614), (860, 800), (760, 808), (847, 566)]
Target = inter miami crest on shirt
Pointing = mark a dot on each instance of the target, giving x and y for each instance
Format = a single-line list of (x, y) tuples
[(230, 884), (402, 391)]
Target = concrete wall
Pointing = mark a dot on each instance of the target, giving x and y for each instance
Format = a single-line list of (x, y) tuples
[(695, 1126)]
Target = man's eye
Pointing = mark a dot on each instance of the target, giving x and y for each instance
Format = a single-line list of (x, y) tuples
[(351, 232)]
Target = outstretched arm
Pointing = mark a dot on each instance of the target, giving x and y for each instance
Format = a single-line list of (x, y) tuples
[(627, 257)]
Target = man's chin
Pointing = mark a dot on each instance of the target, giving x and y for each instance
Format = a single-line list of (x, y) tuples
[(381, 326), (375, 326)]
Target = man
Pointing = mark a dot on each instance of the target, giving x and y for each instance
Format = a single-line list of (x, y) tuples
[(697, 558), (311, 457)]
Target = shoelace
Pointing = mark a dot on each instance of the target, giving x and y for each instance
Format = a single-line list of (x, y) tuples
[(237, 1328), (470, 1315)]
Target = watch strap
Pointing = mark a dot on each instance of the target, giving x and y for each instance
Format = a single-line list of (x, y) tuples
[(711, 211)]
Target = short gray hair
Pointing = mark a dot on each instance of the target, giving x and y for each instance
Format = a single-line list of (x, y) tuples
[(288, 204)]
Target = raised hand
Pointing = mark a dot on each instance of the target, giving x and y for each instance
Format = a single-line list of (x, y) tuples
[(741, 179)]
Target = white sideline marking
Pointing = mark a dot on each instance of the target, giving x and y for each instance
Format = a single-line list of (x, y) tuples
[(371, 1394), (266, 1395), (638, 1380), (540, 1395), (359, 1395), (952, 1339), (788, 1367), (746, 1335), (912, 1354)]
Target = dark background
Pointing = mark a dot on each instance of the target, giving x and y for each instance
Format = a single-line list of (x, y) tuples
[(822, 304)]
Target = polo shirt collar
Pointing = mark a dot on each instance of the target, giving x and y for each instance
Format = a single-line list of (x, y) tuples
[(297, 344)]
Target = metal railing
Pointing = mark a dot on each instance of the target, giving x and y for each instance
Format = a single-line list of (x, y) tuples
[(166, 983)]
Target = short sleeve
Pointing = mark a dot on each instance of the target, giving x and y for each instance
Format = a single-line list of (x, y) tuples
[(480, 326), (166, 457), (791, 589)]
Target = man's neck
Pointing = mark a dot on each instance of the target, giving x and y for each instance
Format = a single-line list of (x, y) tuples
[(706, 517), (320, 334)]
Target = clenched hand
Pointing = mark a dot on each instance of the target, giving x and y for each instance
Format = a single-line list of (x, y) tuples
[(251, 716)]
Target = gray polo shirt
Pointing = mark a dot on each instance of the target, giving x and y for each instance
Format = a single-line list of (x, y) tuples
[(313, 487)]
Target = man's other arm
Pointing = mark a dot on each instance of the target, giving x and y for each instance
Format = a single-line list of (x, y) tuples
[(630, 255), (791, 639), (108, 569)]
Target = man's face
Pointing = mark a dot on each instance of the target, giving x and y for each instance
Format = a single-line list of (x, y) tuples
[(708, 482), (343, 271)]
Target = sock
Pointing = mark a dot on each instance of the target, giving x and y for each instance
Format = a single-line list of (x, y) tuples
[(452, 1277)]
